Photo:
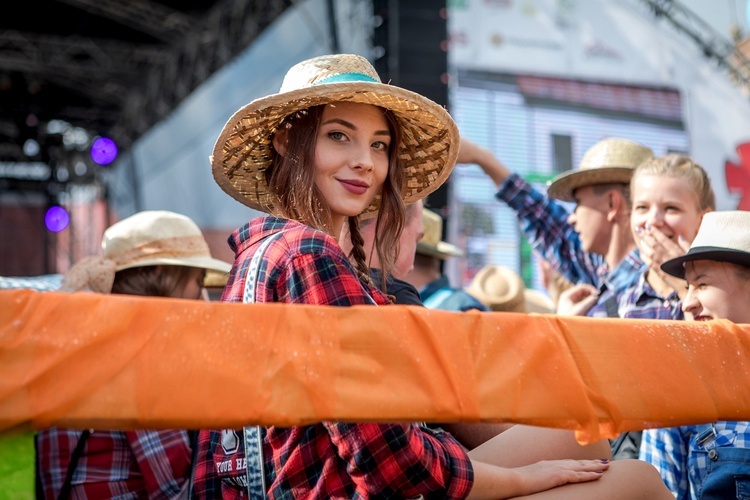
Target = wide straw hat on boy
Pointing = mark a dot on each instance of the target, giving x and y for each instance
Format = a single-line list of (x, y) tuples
[(148, 238), (431, 243), (723, 236), (610, 160), (243, 150)]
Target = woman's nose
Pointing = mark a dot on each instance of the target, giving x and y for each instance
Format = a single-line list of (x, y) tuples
[(690, 302), (363, 158)]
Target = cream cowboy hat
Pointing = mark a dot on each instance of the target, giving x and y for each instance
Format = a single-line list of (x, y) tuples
[(723, 236), (499, 288), (431, 243), (148, 238), (609, 160), (243, 150)]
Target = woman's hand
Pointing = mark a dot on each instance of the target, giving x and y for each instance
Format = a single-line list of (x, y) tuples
[(491, 481), (577, 300), (656, 248)]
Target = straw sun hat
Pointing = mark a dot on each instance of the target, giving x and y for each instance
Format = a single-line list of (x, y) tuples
[(243, 150), (148, 238), (502, 290), (431, 243), (723, 236), (609, 160)]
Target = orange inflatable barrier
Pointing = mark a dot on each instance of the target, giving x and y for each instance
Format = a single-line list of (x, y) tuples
[(89, 360)]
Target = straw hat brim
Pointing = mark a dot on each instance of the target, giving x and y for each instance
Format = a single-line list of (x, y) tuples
[(563, 186), (512, 298), (243, 151), (676, 266), (207, 263), (443, 250)]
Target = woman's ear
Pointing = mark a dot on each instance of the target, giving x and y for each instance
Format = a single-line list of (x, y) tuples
[(280, 140)]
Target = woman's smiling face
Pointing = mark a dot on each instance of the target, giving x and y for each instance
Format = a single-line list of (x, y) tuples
[(717, 290), (351, 157), (665, 203)]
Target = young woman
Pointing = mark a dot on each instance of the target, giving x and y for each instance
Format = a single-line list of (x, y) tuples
[(670, 195), (152, 253), (335, 144), (711, 460)]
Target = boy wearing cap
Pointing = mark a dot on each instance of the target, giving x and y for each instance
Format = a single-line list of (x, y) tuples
[(710, 460), (593, 245)]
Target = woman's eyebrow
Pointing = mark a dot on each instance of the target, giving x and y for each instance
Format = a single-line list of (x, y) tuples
[(351, 126)]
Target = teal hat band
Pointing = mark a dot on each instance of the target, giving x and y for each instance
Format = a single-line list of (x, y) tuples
[(347, 77)]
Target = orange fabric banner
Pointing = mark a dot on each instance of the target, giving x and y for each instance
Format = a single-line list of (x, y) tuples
[(122, 362)]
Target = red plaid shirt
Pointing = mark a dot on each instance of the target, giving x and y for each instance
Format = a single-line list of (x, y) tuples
[(114, 464), (330, 459)]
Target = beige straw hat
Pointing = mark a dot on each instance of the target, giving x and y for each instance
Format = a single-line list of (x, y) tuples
[(499, 288), (723, 236), (148, 238), (242, 152), (609, 160), (431, 243)]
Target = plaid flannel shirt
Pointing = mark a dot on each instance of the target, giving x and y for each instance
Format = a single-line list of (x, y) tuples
[(641, 301), (545, 224), (683, 455), (329, 459), (115, 464)]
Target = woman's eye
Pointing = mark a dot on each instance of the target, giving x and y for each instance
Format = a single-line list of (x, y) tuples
[(380, 145), (337, 136)]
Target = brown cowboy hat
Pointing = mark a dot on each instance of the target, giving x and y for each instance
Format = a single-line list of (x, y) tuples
[(609, 160), (428, 149)]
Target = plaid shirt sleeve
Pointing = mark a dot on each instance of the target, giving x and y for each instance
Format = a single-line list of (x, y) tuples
[(403, 459), (164, 460), (666, 450), (545, 224)]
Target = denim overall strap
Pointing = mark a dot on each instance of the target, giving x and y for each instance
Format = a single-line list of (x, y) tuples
[(256, 481)]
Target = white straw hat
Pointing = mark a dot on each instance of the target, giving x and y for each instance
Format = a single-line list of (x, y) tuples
[(609, 160), (243, 150), (148, 238), (723, 236)]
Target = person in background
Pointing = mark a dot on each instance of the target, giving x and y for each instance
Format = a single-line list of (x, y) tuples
[(710, 460), (593, 245), (155, 254), (427, 276), (670, 195), (402, 292), (335, 143)]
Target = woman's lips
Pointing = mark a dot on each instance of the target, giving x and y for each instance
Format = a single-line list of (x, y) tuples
[(356, 187)]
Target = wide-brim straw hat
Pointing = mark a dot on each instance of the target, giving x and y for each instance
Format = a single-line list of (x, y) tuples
[(499, 288), (723, 236), (158, 237), (610, 160), (243, 151), (148, 238), (431, 243)]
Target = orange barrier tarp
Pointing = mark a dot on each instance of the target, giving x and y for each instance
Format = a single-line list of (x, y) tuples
[(90, 360)]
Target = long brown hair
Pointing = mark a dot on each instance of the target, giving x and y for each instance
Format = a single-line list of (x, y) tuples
[(291, 176)]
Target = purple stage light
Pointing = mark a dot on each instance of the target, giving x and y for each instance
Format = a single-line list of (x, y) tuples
[(56, 219), (103, 151)]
